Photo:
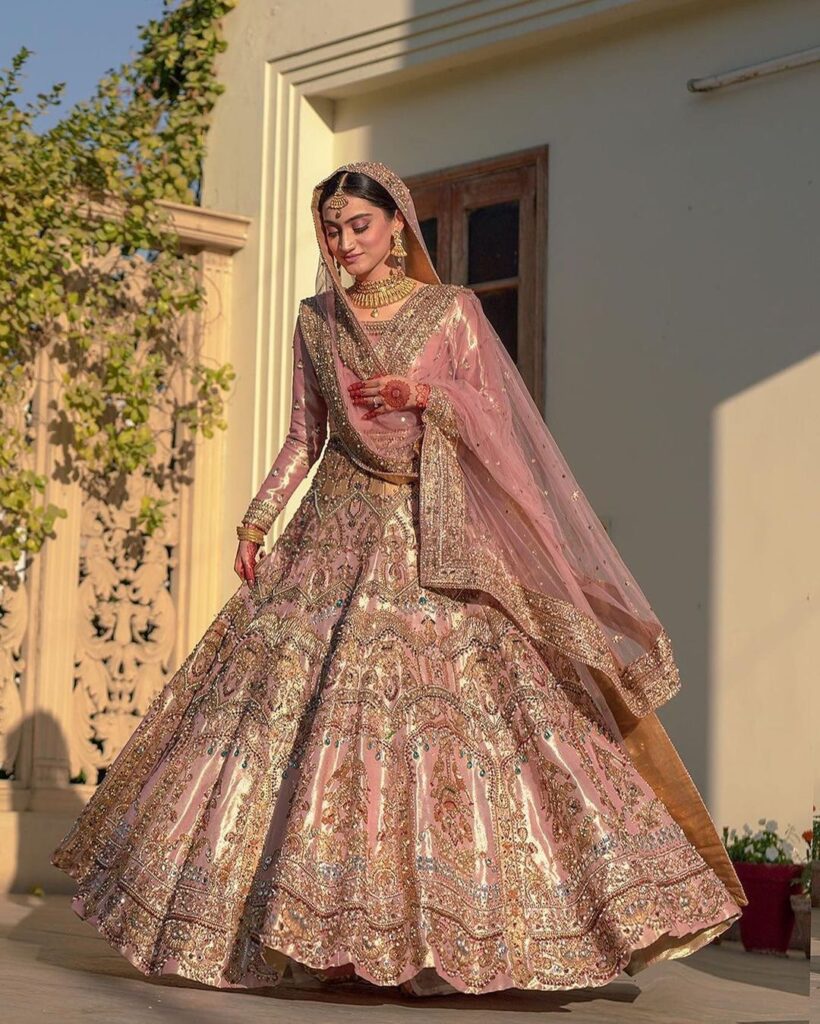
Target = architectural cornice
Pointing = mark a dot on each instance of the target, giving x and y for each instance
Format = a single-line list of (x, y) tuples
[(455, 33), (213, 230)]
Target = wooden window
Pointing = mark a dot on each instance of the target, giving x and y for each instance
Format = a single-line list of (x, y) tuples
[(485, 226)]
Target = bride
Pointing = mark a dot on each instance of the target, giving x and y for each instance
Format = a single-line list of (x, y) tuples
[(419, 745)]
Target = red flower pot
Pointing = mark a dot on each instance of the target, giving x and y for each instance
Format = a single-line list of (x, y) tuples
[(767, 922)]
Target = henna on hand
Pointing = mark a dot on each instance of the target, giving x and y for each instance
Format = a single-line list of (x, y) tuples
[(422, 395), (395, 393)]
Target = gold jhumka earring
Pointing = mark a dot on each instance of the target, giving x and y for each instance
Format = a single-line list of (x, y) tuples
[(397, 248)]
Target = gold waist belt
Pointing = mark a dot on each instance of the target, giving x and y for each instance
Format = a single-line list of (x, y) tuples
[(375, 481)]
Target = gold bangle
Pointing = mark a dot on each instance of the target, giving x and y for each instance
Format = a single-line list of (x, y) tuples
[(251, 533), (260, 513)]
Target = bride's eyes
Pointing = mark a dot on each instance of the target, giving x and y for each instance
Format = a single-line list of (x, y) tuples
[(333, 235)]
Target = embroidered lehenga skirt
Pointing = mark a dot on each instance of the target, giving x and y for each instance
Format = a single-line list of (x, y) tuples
[(359, 774)]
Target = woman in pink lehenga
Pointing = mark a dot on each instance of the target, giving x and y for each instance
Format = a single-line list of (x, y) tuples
[(418, 746)]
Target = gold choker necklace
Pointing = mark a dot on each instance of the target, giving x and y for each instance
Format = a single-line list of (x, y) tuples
[(373, 294)]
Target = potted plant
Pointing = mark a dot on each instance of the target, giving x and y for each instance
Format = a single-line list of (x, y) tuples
[(800, 897), (764, 862)]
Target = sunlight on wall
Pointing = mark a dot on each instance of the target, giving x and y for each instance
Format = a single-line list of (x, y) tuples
[(766, 612)]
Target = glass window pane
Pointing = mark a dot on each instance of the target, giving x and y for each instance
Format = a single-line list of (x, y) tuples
[(429, 232), (501, 307), (493, 243)]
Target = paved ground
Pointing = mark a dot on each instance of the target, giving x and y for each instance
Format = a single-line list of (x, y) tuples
[(55, 967)]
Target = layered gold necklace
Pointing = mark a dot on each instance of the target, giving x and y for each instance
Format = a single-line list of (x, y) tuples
[(374, 294)]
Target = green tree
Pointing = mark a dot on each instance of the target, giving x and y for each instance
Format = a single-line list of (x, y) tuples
[(92, 277)]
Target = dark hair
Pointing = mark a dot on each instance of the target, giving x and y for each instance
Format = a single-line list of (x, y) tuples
[(360, 185)]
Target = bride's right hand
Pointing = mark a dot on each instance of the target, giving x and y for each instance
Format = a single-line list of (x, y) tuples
[(245, 562)]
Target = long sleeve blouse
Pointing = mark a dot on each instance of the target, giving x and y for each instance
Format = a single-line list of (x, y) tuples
[(302, 445)]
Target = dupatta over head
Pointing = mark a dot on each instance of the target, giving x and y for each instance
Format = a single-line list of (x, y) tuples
[(501, 514)]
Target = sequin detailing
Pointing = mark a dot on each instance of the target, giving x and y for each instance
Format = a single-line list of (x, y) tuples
[(386, 176), (402, 340), (352, 767), (357, 768), (317, 336), (439, 412)]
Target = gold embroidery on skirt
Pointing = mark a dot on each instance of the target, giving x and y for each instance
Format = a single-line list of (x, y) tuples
[(354, 767)]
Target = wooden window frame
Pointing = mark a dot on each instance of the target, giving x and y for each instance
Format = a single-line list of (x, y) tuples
[(447, 195)]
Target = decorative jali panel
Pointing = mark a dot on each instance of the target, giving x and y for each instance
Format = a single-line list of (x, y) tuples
[(93, 631), (126, 630)]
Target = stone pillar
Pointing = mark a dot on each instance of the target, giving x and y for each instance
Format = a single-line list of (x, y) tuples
[(205, 537), (50, 671)]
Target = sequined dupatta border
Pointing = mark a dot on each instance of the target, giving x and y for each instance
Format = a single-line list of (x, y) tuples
[(404, 338), (449, 557)]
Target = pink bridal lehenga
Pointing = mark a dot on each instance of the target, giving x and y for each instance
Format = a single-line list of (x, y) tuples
[(424, 748)]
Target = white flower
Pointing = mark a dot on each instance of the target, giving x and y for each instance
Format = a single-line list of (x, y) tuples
[(761, 821), (771, 853), (750, 848), (747, 830), (771, 825)]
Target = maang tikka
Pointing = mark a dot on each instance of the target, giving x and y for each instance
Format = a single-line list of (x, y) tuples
[(338, 200)]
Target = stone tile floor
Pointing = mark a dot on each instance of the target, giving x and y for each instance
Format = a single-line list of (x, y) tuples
[(53, 966)]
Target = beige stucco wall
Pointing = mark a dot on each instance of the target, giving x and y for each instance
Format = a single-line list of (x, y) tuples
[(682, 309)]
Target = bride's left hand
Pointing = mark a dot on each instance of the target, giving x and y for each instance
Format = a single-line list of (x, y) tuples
[(397, 394)]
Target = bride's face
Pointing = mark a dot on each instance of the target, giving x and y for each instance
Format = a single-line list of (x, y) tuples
[(360, 236)]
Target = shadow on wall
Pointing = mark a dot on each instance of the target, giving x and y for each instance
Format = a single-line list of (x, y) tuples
[(30, 836)]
